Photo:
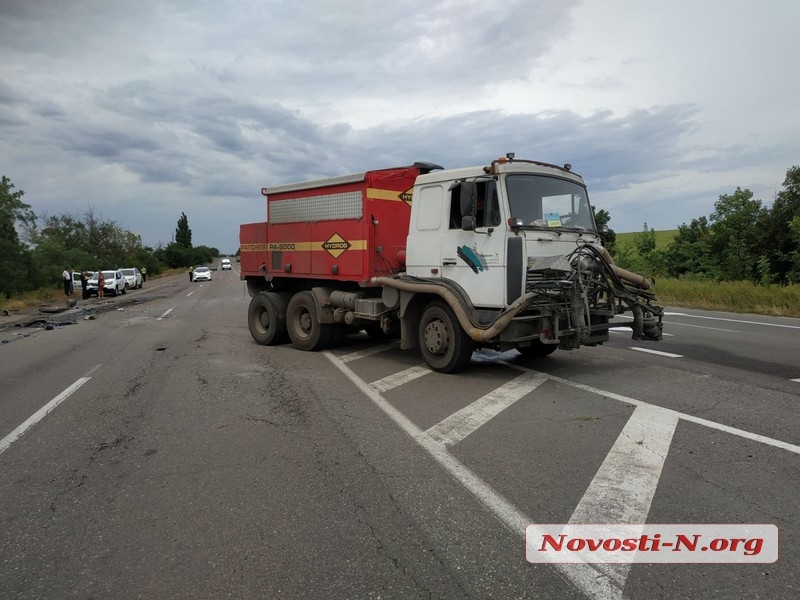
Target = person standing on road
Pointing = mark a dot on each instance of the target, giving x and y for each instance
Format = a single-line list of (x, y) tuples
[(101, 281), (67, 277), (144, 274), (84, 284)]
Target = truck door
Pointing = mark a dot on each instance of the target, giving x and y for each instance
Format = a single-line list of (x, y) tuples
[(474, 257)]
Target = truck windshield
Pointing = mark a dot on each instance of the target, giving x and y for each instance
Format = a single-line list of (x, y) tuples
[(549, 202)]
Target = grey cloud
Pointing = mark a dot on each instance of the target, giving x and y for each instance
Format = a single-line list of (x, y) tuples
[(105, 142), (202, 103), (48, 109), (8, 95)]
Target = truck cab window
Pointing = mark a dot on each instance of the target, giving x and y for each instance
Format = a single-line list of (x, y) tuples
[(488, 206), (487, 214), (455, 207)]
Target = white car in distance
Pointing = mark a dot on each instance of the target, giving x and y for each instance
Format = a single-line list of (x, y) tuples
[(133, 278), (114, 283), (201, 274)]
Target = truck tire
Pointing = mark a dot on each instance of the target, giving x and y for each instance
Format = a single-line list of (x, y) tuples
[(444, 344), (266, 318), (305, 330), (537, 349)]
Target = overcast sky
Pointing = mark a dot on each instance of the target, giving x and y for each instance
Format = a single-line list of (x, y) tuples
[(143, 110)]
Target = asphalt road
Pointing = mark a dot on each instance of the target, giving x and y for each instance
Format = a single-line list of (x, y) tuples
[(156, 451)]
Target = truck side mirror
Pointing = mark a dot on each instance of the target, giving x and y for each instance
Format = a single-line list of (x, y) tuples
[(469, 196), (468, 223)]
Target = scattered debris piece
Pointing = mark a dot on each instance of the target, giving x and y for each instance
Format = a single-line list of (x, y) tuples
[(46, 308)]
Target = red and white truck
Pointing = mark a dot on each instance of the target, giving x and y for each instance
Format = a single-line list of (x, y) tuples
[(505, 255)]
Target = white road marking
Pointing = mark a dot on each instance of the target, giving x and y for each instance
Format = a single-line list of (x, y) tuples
[(586, 577), (460, 424), (397, 379), (732, 320), (190, 293), (796, 380), (623, 488), (671, 323), (368, 352), (658, 352), (43, 412), (686, 417), (165, 314), (636, 460)]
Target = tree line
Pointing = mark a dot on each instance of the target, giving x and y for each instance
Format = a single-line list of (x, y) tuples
[(34, 250), (742, 240)]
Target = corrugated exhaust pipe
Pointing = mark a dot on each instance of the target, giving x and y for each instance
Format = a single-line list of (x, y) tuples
[(474, 331), (639, 281)]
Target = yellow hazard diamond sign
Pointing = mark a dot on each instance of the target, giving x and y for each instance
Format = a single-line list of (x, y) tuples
[(336, 245)]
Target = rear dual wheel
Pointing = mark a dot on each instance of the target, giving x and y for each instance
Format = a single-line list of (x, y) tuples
[(266, 318), (302, 323)]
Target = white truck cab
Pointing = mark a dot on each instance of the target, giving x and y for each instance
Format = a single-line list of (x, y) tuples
[(484, 230)]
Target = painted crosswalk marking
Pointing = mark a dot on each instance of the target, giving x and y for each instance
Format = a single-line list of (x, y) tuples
[(462, 423), (397, 379), (621, 491), (623, 487), (367, 352)]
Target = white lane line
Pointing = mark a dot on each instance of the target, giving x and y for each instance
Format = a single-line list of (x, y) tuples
[(741, 433), (686, 417), (190, 293), (623, 487), (657, 352), (43, 412), (368, 352), (460, 424), (732, 320), (165, 314), (586, 577), (397, 379), (795, 380), (671, 323)]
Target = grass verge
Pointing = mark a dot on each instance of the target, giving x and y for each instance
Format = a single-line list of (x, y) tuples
[(730, 296)]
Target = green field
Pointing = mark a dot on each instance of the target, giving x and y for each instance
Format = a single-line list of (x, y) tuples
[(663, 238), (730, 296)]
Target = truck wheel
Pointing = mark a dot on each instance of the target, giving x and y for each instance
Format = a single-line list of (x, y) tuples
[(305, 330), (537, 349), (444, 344), (266, 318)]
